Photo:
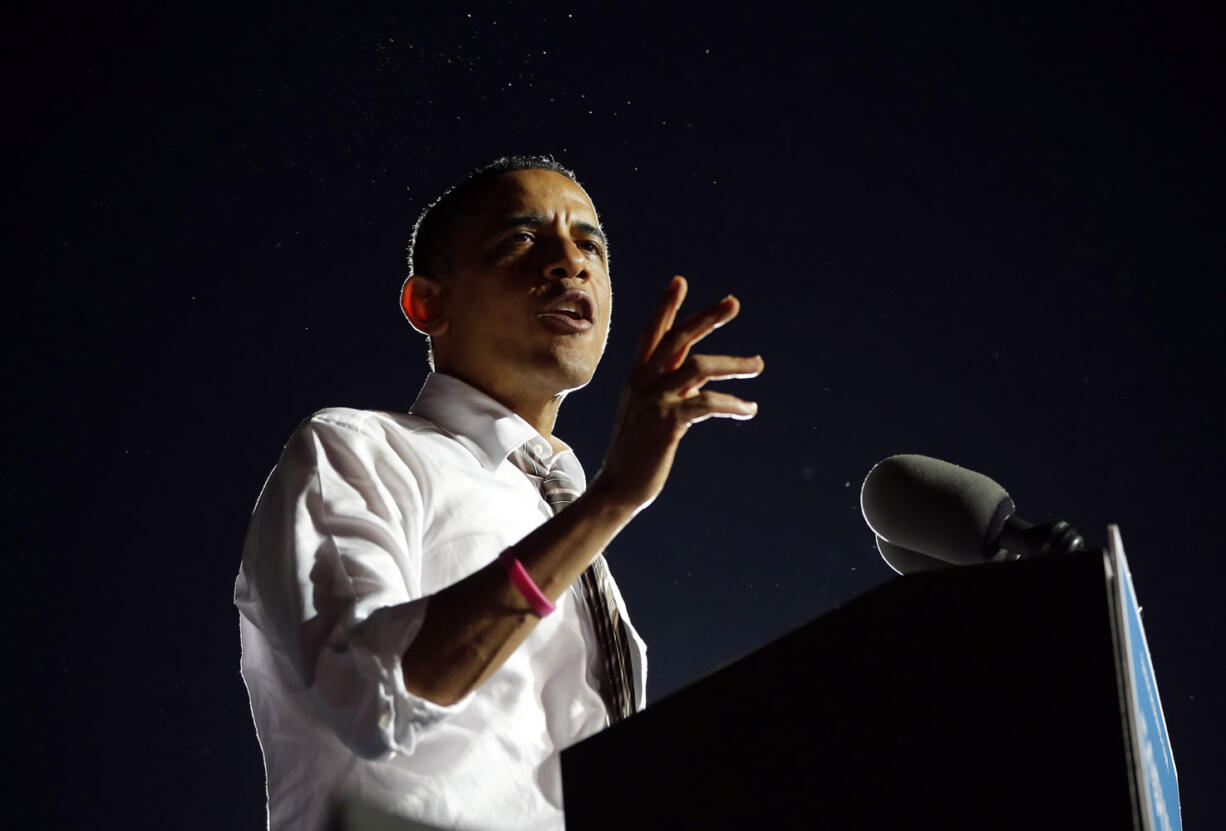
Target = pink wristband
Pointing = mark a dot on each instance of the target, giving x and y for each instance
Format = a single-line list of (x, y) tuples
[(523, 581)]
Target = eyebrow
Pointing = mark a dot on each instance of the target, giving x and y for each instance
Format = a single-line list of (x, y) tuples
[(536, 220)]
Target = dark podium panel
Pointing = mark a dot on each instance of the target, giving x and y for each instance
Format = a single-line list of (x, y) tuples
[(987, 697)]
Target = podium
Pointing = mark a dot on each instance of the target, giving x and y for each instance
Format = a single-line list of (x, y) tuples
[(1003, 696)]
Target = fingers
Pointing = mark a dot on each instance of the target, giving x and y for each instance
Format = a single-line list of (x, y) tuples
[(712, 404), (662, 320), (699, 369), (674, 347)]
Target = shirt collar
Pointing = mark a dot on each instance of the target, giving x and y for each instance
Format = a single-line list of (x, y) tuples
[(488, 429)]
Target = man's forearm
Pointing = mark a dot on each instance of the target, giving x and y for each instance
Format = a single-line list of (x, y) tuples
[(473, 626)]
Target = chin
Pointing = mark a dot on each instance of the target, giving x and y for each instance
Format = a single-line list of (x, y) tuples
[(569, 372)]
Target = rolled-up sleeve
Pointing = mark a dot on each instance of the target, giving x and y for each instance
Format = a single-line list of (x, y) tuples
[(332, 577)]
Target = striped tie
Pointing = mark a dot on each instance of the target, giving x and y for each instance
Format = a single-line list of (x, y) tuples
[(559, 491)]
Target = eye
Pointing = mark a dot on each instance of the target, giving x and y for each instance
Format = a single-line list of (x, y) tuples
[(590, 246)]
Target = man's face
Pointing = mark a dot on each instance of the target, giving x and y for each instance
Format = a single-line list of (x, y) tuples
[(527, 295)]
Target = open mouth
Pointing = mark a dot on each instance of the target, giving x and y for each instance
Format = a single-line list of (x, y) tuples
[(570, 311)]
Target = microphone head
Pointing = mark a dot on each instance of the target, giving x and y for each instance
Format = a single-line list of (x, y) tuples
[(906, 561), (935, 508)]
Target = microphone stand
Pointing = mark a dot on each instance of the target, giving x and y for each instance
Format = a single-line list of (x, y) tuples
[(1025, 539)]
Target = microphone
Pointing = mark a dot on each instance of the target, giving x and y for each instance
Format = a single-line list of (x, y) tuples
[(924, 507), (906, 561)]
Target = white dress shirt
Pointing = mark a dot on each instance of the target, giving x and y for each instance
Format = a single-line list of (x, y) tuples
[(366, 515)]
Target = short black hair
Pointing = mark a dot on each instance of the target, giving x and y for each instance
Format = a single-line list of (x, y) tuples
[(430, 243)]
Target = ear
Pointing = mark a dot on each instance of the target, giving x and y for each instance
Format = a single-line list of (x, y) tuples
[(420, 301)]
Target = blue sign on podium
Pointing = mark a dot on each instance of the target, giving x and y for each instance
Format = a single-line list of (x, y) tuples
[(1150, 745)]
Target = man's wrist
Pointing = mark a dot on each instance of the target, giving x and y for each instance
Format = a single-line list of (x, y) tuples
[(609, 502)]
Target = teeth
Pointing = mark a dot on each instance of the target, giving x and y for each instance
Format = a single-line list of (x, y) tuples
[(570, 308)]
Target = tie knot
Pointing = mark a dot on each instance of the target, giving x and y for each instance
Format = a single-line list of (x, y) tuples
[(530, 458), (558, 489)]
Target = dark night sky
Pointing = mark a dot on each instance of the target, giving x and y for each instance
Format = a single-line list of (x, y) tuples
[(990, 234)]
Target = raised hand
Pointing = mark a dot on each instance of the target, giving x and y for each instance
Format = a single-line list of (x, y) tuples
[(664, 395)]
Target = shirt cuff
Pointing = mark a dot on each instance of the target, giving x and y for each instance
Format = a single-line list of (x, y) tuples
[(377, 717)]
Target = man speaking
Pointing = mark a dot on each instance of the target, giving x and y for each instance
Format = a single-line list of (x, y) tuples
[(423, 627)]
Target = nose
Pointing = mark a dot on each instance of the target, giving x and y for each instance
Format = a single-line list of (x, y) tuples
[(564, 260)]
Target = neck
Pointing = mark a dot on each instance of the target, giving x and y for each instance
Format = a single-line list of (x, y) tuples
[(541, 413)]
